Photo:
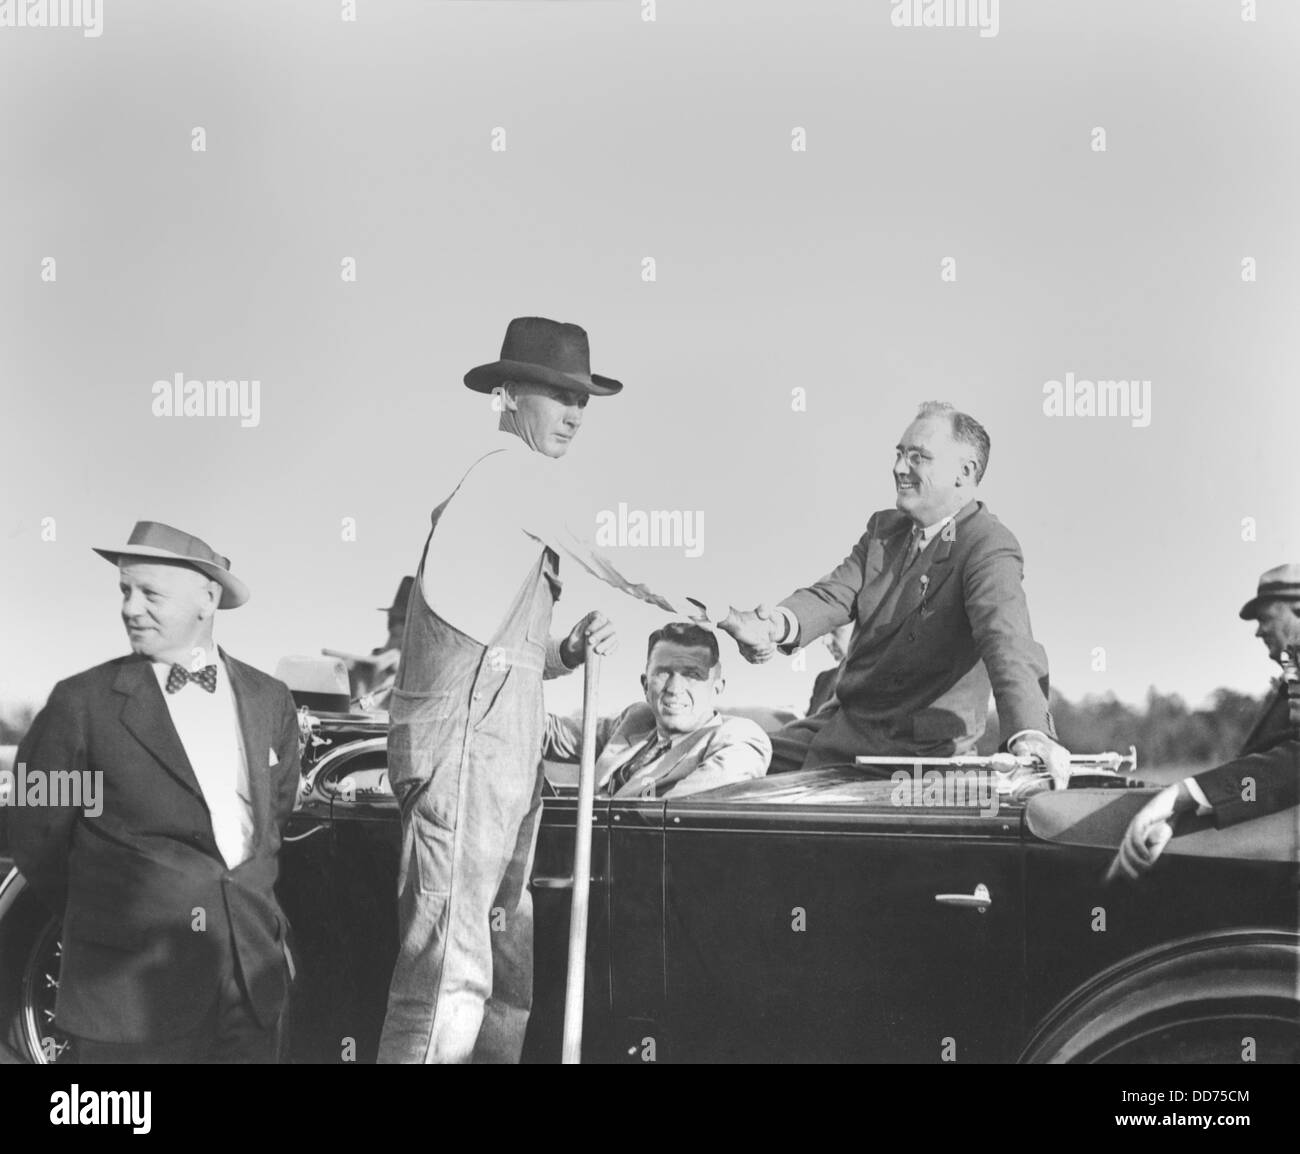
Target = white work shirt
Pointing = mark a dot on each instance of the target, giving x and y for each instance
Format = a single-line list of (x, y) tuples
[(511, 503), (208, 725)]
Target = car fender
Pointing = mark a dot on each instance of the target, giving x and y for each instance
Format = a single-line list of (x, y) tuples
[(1249, 973)]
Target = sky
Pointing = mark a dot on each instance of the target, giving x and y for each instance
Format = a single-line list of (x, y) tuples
[(800, 307)]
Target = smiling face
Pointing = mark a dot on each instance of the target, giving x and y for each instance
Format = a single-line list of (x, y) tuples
[(680, 686), (167, 609), (1279, 627), (933, 474), (546, 418)]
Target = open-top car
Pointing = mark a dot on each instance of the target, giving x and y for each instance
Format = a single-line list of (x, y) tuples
[(824, 915)]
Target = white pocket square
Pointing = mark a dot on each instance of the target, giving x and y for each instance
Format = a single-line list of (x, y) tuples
[(274, 760)]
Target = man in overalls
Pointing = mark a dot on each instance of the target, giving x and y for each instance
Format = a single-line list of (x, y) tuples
[(467, 719)]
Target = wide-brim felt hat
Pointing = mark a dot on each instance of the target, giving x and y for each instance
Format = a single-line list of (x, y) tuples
[(154, 541), (545, 352), (1280, 584)]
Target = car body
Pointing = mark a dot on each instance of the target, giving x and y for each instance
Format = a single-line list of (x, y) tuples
[(812, 916)]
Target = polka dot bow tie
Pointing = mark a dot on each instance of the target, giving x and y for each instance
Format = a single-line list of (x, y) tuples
[(178, 675)]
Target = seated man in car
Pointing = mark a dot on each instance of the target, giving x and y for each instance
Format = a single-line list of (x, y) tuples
[(675, 742)]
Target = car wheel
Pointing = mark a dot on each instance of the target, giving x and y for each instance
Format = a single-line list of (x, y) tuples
[(1227, 997), (29, 985), (39, 1039)]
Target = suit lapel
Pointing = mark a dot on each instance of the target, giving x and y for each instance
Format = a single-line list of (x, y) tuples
[(145, 715), (922, 580), (885, 559), (685, 746), (255, 732), (681, 748)]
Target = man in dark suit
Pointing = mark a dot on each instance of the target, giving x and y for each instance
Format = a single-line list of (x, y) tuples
[(934, 591), (174, 946), (837, 641), (1265, 777)]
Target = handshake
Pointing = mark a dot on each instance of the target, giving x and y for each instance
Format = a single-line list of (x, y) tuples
[(756, 631)]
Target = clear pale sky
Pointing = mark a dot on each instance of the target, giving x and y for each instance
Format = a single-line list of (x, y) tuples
[(775, 270)]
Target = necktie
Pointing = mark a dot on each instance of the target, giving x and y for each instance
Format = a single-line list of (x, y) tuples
[(178, 675), (914, 547), (644, 756)]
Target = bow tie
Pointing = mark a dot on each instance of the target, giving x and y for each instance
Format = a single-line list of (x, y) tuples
[(178, 675)]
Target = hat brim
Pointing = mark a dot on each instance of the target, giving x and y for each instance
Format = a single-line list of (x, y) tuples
[(233, 591), (485, 378)]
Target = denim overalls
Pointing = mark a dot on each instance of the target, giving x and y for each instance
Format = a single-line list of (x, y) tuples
[(464, 758)]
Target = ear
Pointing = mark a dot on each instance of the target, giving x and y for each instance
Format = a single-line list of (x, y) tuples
[(506, 393), (719, 686), (644, 684), (966, 476), (210, 599)]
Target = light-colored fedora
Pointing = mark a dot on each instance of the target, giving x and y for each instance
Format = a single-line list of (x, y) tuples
[(154, 541)]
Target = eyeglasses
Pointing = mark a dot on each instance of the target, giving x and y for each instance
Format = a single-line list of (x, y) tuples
[(914, 457)]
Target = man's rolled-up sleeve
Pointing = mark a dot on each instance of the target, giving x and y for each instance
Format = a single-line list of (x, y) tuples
[(553, 665), (999, 619), (40, 836)]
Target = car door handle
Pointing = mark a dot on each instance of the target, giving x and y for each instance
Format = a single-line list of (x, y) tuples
[(553, 883), (979, 900)]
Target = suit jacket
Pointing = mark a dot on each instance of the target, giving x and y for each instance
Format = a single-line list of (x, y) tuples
[(722, 751), (1273, 725), (1267, 769), (151, 914), (1271, 780), (823, 688), (929, 640)]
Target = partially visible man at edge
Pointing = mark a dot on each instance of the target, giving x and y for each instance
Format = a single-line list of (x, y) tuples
[(1265, 777), (934, 590), (466, 714), (175, 948)]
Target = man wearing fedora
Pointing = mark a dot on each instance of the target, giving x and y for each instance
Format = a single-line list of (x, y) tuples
[(371, 677), (466, 713), (386, 657), (933, 590), (1265, 776), (174, 946)]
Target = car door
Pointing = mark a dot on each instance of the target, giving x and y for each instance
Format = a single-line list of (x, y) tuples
[(551, 885), (1208, 886), (816, 920)]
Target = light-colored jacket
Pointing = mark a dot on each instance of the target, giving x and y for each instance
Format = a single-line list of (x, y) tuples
[(722, 751)]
